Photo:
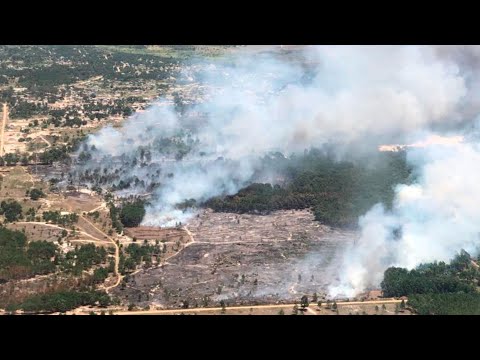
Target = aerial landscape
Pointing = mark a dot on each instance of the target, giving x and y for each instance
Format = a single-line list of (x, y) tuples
[(239, 180)]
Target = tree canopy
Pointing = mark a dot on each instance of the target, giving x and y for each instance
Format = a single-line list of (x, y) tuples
[(12, 210), (337, 191), (132, 214), (437, 288)]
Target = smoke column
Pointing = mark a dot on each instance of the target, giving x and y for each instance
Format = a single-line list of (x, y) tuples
[(437, 217), (352, 96)]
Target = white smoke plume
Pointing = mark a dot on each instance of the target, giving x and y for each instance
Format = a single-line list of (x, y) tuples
[(352, 96), (434, 218)]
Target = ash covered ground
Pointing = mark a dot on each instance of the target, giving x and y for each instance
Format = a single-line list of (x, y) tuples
[(243, 259)]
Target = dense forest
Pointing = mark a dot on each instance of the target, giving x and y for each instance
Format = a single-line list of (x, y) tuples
[(132, 214), (437, 288), (337, 191), (446, 304)]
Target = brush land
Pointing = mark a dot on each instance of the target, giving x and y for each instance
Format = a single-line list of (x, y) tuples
[(80, 249)]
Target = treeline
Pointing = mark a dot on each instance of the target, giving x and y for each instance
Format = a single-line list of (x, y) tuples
[(49, 156), (431, 286), (62, 301), (24, 109), (55, 217), (10, 159), (438, 277), (401, 282), (338, 191), (55, 154), (446, 304)]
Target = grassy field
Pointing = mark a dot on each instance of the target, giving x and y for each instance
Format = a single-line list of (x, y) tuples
[(15, 181)]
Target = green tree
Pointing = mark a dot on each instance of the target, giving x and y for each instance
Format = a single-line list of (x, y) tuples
[(132, 214), (295, 310), (12, 210), (304, 301), (36, 194)]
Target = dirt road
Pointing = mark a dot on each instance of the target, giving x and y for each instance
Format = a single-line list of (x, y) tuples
[(88, 81), (45, 140), (117, 253), (4, 124), (95, 239), (279, 306)]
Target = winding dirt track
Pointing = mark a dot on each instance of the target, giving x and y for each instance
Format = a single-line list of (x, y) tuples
[(95, 239), (117, 253)]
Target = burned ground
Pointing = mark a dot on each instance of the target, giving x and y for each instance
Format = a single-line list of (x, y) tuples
[(242, 259), (152, 233)]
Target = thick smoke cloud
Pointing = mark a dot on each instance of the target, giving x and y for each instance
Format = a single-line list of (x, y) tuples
[(432, 219), (352, 96)]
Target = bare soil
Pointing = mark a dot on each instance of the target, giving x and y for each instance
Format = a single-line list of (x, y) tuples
[(242, 259)]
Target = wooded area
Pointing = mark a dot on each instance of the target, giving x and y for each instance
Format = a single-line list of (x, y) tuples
[(338, 191), (437, 288)]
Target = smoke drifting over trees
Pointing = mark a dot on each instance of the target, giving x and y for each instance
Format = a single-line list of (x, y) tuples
[(350, 97)]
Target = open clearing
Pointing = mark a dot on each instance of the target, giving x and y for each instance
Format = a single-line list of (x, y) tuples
[(242, 259)]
